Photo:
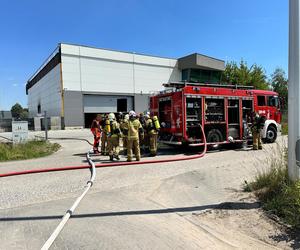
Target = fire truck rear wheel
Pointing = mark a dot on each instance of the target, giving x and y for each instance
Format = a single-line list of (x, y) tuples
[(214, 135), (271, 134)]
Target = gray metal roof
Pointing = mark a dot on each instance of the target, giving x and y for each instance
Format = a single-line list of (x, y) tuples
[(201, 62)]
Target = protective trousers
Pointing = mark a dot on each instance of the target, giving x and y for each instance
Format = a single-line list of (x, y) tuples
[(133, 145), (103, 143), (113, 146), (153, 143), (256, 140), (125, 141), (96, 141)]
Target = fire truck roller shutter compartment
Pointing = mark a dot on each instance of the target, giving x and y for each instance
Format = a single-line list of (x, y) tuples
[(103, 104), (193, 117), (233, 110), (215, 120)]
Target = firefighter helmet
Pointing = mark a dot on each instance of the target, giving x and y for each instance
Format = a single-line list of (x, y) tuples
[(132, 113), (111, 116)]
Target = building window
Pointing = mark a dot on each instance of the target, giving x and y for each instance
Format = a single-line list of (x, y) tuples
[(261, 100), (122, 105), (205, 76), (185, 75)]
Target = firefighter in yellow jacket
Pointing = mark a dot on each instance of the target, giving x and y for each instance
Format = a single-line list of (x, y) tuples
[(113, 138), (124, 137), (132, 129), (152, 133)]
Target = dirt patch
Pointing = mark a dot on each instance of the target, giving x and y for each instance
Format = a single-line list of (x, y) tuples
[(245, 221)]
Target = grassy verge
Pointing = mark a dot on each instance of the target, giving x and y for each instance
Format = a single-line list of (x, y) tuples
[(29, 150), (284, 123), (278, 194)]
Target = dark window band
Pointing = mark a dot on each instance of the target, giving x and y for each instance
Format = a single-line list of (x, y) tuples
[(44, 71)]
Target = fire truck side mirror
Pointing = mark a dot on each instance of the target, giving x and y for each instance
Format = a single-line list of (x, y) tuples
[(298, 152)]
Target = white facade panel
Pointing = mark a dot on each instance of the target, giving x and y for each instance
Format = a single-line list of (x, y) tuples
[(106, 76), (97, 70), (104, 104), (46, 93), (151, 78), (71, 72), (153, 60)]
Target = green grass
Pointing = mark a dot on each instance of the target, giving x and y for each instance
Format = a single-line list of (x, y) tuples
[(284, 123), (277, 193), (285, 129), (29, 150)]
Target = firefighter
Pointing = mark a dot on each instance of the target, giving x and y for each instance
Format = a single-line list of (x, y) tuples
[(152, 133), (133, 129), (105, 123), (96, 129), (124, 137), (143, 141), (113, 138), (256, 127)]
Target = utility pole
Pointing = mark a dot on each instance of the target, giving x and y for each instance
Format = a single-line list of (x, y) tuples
[(294, 91)]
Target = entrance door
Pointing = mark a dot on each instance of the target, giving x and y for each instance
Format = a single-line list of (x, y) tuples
[(122, 105)]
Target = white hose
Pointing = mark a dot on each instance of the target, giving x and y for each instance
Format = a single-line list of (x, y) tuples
[(69, 213)]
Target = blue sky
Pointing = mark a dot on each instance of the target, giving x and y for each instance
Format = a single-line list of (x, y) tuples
[(255, 30)]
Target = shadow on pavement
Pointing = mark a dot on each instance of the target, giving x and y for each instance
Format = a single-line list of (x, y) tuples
[(225, 206)]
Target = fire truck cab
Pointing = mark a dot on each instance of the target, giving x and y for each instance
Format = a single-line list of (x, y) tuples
[(223, 111)]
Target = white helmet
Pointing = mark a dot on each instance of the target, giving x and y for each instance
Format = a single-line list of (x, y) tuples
[(132, 113), (111, 117), (126, 117)]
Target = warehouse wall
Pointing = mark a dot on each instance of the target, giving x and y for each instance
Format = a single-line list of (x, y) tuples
[(90, 69), (73, 106), (47, 93)]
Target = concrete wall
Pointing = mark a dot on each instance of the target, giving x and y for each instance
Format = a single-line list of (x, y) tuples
[(47, 93), (73, 103), (141, 102), (90, 69)]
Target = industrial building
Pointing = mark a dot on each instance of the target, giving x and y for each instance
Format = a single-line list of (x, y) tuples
[(76, 82)]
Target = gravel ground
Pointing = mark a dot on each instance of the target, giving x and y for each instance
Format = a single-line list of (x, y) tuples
[(155, 206)]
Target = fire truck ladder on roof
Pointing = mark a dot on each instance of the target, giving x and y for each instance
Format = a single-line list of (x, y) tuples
[(184, 84)]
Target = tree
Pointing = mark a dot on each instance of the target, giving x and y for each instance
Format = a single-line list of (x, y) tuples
[(16, 110), (243, 75), (279, 83)]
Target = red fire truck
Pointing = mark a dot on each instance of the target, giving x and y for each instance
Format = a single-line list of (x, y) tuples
[(223, 111)]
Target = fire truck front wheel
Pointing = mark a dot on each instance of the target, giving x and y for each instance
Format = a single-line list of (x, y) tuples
[(214, 135), (271, 134)]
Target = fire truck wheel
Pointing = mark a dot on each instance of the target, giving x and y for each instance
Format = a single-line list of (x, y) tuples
[(214, 135), (271, 134)]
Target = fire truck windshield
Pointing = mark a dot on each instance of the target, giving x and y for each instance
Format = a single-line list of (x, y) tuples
[(273, 101)]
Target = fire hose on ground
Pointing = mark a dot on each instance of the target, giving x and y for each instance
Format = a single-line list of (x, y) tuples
[(93, 175), (69, 212)]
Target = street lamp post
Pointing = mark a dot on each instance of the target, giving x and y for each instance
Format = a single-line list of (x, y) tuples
[(294, 91)]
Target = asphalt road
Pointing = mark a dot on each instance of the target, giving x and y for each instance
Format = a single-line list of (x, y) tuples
[(132, 207)]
